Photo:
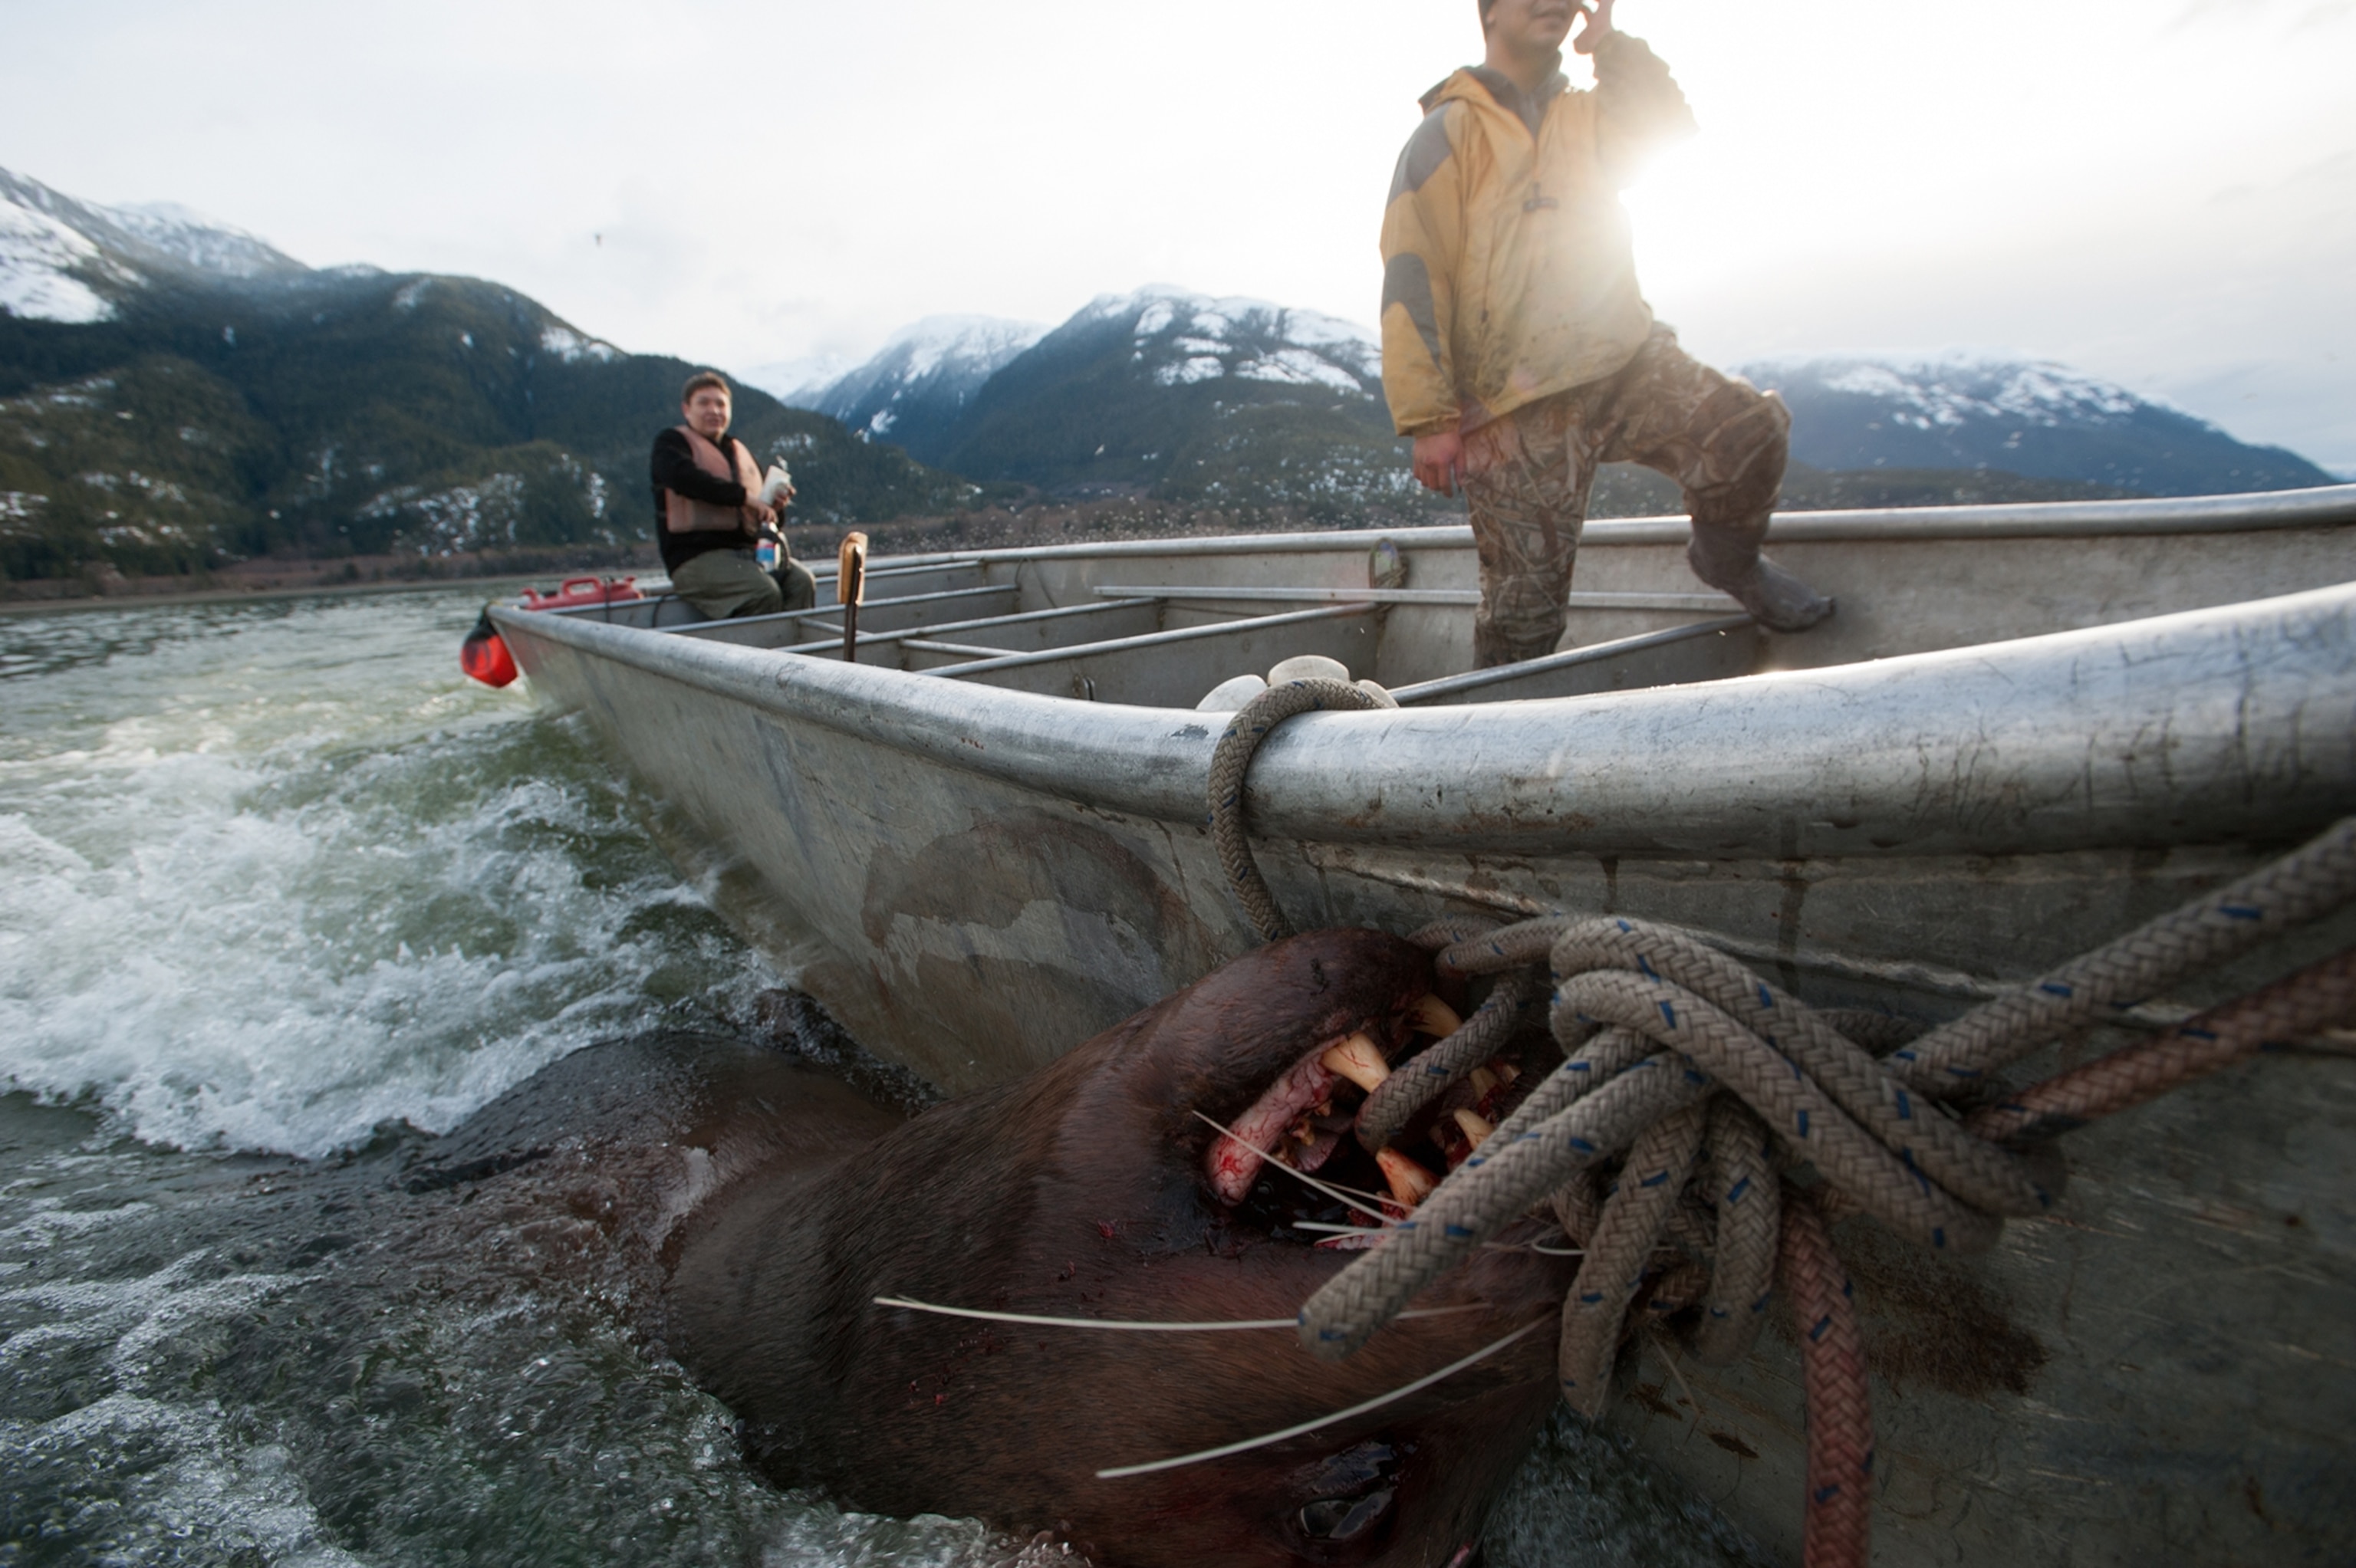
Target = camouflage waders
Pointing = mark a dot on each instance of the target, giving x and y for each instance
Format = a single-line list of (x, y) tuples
[(1526, 477)]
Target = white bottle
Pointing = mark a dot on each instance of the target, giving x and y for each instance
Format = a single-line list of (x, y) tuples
[(776, 484)]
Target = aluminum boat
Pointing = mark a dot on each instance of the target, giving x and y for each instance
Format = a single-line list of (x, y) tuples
[(982, 837)]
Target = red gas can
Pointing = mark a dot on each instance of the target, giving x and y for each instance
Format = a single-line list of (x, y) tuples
[(574, 592)]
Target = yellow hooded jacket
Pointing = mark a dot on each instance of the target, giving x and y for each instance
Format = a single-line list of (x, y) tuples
[(1507, 271)]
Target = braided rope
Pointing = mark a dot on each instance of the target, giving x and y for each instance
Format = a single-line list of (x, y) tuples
[(1919, 1134), (1796, 1107), (1395, 1101), (1231, 759), (1502, 947), (1747, 1198), (1692, 1224), (1450, 929), (1659, 1163), (2312, 999), (2313, 880), (1448, 1226), (1690, 1064), (1577, 1206), (1839, 1525)]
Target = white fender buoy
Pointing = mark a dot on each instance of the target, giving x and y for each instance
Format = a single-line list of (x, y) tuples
[(1309, 667), (1230, 695)]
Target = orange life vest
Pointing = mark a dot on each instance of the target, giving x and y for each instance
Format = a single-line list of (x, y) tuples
[(681, 514)]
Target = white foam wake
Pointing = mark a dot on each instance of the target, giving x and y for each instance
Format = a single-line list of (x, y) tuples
[(268, 879)]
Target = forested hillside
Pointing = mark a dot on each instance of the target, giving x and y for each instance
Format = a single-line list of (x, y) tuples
[(183, 416)]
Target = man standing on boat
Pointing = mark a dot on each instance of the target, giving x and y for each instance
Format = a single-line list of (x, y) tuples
[(710, 514), (1517, 351)]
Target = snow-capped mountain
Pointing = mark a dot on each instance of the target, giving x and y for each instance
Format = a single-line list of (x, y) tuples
[(67, 260), (794, 382), (1120, 396), (1188, 397), (2018, 416), (912, 391), (1189, 337), (1235, 400), (199, 243), (1172, 338)]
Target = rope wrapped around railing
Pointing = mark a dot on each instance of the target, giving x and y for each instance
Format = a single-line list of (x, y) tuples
[(1742, 1120), (1231, 759), (1718, 1093)]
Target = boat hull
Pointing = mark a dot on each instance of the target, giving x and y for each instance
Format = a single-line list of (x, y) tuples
[(975, 881), (975, 878)]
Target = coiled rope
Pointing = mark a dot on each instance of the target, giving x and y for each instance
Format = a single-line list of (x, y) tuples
[(1742, 1119), (1231, 758)]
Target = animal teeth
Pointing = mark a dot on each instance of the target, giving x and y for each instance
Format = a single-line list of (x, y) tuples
[(1476, 1127), (1433, 1016), (1358, 1060), (1232, 1162), (1409, 1182), (1484, 1081)]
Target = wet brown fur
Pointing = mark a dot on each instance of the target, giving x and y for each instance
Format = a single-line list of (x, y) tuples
[(768, 1204)]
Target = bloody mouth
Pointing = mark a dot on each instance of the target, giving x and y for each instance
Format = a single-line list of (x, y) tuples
[(1306, 1120)]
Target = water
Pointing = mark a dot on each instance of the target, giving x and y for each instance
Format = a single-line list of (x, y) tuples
[(282, 893)]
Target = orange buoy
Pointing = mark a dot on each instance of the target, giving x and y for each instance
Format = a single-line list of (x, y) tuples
[(485, 654)]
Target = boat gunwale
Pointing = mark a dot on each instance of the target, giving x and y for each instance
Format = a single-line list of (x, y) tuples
[(2136, 733), (2322, 505), (2326, 506)]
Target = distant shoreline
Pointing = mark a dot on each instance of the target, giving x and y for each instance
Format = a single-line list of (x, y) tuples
[(252, 595), (984, 529), (268, 578), (1620, 491)]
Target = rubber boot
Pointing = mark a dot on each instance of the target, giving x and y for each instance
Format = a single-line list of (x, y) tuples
[(1726, 556)]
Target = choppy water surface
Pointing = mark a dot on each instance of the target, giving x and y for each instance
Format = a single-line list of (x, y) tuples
[(282, 892)]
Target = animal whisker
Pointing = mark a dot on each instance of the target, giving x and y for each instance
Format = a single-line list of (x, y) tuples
[(1449, 1371), (1133, 1327), (1693, 1401), (1539, 1247), (1351, 1196)]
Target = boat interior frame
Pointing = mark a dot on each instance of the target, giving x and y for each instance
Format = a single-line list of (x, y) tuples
[(1126, 622)]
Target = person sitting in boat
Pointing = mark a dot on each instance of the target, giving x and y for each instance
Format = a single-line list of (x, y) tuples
[(711, 512), (1517, 351)]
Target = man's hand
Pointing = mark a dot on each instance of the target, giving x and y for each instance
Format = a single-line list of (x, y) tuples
[(764, 515), (1598, 20), (1437, 459)]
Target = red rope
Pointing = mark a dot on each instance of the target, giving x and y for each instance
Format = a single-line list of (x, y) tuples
[(1839, 1530), (1832, 1352), (2317, 997)]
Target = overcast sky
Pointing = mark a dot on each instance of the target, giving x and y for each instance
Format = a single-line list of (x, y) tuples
[(2159, 191)]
